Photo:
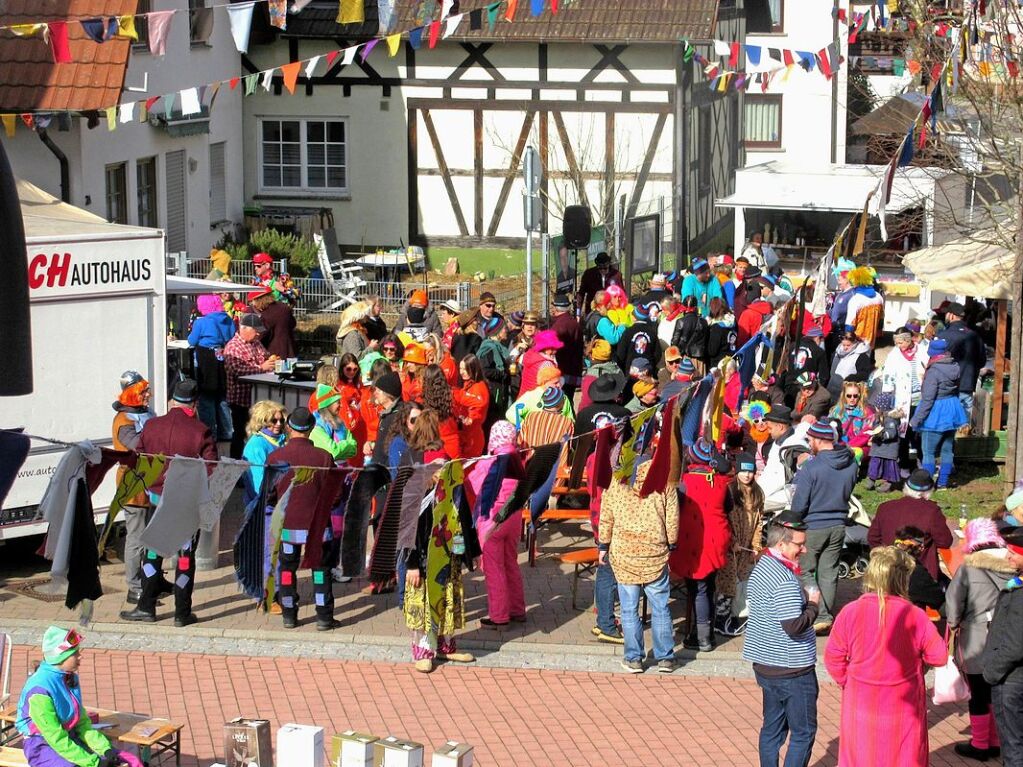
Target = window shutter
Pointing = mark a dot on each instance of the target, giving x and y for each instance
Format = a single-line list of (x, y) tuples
[(218, 184), (177, 209)]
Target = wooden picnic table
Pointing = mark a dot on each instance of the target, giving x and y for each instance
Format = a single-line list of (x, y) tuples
[(154, 737)]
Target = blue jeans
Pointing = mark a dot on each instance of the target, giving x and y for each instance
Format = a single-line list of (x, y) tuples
[(663, 634), (701, 597), (933, 444), (966, 400), (605, 587), (1006, 701), (790, 708), (216, 414)]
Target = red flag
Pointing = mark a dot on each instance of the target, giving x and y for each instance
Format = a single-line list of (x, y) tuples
[(510, 13), (434, 33), (733, 58), (554, 7), (150, 101), (234, 82), (787, 57), (59, 44), (1013, 68), (332, 57), (28, 119)]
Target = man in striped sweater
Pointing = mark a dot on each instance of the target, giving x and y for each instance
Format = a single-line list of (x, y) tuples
[(781, 644)]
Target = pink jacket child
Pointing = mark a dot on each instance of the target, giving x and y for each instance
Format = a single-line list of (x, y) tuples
[(493, 481)]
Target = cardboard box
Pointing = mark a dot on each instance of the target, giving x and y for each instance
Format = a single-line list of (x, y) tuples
[(247, 743), (452, 754), (300, 745), (352, 749), (394, 752)]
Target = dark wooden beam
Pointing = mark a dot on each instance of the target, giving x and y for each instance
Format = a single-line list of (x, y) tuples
[(477, 154), (573, 166), (476, 54), (545, 162), (648, 161), (445, 175), (609, 57), (410, 61), (599, 107), (411, 182), (559, 175), (513, 168)]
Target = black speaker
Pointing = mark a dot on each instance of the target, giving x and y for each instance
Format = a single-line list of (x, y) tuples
[(576, 226)]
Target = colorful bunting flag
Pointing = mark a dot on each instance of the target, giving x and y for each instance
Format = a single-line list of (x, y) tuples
[(434, 33), (126, 112), (509, 13), (906, 153), (311, 65), (240, 18), (349, 55), (386, 17), (9, 122), (451, 25), (159, 31), (126, 27), (476, 19), (415, 38), (535, 7), (290, 73), (351, 12), (250, 84), (492, 10), (267, 79), (27, 30), (367, 48), (278, 13), (60, 46), (393, 41)]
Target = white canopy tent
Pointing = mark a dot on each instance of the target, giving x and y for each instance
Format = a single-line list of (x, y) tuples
[(965, 267)]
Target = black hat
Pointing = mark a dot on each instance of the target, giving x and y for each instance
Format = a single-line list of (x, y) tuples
[(745, 462), (561, 301), (789, 519), (301, 420), (607, 388), (486, 297), (389, 383), (780, 414), (186, 391), (956, 308), (752, 273), (921, 481), (602, 259), (251, 320)]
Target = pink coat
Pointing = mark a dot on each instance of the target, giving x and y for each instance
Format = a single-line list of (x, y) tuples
[(880, 668)]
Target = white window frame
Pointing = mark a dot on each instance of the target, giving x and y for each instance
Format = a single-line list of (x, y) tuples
[(304, 190)]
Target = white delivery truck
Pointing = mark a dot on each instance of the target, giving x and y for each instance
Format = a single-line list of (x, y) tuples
[(98, 307)]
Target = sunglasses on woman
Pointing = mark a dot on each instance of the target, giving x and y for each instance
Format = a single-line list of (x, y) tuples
[(352, 369), (71, 640), (852, 396), (278, 419)]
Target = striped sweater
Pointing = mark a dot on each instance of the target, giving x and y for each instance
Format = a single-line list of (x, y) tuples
[(775, 594)]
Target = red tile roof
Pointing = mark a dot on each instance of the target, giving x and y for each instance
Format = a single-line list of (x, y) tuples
[(32, 82)]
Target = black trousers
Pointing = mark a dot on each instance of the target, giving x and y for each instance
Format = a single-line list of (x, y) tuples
[(184, 579), (239, 418), (323, 585)]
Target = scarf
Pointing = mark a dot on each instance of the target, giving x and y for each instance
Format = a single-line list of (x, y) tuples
[(788, 564)]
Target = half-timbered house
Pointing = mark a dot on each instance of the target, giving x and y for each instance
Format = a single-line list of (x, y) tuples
[(425, 146)]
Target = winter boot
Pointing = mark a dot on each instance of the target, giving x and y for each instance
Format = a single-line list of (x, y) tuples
[(980, 739)]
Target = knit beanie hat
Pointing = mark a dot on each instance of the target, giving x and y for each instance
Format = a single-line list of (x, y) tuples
[(389, 384), (745, 462), (642, 388), (822, 430), (419, 298), (548, 374), (493, 326), (937, 346), (641, 312), (686, 367), (324, 396), (982, 533), (503, 436), (600, 351), (59, 644), (552, 398), (700, 452)]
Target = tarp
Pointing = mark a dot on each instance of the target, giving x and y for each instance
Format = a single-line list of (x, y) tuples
[(968, 267), (48, 218), (193, 286)]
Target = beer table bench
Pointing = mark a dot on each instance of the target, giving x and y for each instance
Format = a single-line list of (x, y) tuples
[(155, 739)]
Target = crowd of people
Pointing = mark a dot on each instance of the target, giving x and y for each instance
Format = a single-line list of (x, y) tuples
[(723, 425)]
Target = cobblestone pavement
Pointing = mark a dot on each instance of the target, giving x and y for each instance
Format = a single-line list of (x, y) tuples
[(521, 717)]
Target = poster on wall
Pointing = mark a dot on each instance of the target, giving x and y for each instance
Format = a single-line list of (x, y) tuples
[(562, 265)]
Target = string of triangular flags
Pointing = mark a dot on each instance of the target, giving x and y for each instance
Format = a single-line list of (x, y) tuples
[(762, 64), (100, 29), (197, 99)]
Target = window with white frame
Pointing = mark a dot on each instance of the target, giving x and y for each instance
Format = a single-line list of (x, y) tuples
[(117, 193), (145, 191), (763, 121), (304, 155)]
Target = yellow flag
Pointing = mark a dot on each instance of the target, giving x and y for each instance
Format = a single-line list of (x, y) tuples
[(126, 27), (351, 12), (27, 30), (9, 122), (393, 41), (893, 6), (111, 118)]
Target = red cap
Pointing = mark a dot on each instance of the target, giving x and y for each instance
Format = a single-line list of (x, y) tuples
[(262, 258), (258, 293)]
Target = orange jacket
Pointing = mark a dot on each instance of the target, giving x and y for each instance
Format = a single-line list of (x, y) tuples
[(472, 401), (449, 436)]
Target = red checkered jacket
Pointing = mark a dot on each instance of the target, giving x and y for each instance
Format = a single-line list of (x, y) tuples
[(241, 359)]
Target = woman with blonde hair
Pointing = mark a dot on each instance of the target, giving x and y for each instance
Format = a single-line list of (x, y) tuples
[(266, 433), (878, 652), (351, 334)]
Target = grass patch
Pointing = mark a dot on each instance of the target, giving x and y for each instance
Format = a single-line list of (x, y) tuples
[(493, 262), (978, 485)]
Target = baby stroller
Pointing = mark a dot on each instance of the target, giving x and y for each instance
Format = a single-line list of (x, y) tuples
[(852, 562)]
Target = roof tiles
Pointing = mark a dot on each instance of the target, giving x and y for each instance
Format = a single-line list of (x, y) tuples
[(32, 82)]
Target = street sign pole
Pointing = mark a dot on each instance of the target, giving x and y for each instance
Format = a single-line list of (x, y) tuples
[(531, 171)]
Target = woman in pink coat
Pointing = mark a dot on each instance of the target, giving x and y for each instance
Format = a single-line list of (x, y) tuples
[(878, 651), (492, 481)]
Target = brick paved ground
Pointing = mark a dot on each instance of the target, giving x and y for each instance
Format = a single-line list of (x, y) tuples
[(512, 717)]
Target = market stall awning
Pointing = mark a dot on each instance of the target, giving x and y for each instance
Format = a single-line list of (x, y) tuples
[(183, 286), (836, 188), (968, 267)]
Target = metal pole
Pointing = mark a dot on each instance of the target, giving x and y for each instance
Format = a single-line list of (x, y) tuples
[(529, 268), (545, 273)]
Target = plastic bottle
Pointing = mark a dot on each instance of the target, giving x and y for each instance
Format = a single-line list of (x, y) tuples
[(962, 516)]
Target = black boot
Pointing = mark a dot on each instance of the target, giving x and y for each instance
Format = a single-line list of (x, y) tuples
[(970, 751), (138, 615)]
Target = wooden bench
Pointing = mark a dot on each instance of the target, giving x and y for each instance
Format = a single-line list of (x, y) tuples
[(11, 756), (583, 561), (551, 515), (155, 739)]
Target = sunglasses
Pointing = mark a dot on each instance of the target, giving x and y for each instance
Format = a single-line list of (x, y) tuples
[(279, 419), (673, 362), (352, 368), (852, 396), (390, 348), (71, 640), (489, 306)]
